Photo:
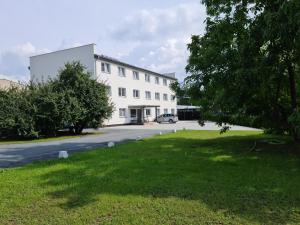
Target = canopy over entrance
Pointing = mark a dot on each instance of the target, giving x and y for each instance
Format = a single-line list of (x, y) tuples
[(140, 112)]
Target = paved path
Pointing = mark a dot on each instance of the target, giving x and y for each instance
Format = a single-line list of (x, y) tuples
[(19, 154)]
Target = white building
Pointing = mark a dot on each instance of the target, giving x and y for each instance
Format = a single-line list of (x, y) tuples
[(138, 94)]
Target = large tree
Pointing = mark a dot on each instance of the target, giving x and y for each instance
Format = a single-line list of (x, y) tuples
[(88, 102), (245, 68)]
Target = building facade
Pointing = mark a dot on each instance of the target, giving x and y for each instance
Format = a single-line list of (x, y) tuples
[(138, 94)]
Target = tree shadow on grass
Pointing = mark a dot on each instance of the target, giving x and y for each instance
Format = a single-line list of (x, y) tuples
[(220, 172)]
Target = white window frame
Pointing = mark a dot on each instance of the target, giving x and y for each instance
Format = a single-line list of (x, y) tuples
[(149, 96), (157, 111), (165, 82), (136, 75), (165, 111), (122, 112), (146, 112), (122, 71), (135, 91), (105, 67), (121, 92), (173, 111), (157, 96), (156, 80), (165, 97), (147, 78), (135, 113)]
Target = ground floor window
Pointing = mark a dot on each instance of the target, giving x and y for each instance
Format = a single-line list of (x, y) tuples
[(148, 112), (172, 111), (122, 92), (158, 112), (165, 111), (133, 113), (122, 112)]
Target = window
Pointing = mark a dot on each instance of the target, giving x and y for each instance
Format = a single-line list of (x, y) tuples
[(136, 75), (108, 90), (148, 112), (105, 67), (122, 71), (122, 92), (148, 95), (122, 112), (173, 97), (165, 111), (156, 80), (158, 112), (136, 93), (132, 113), (147, 78), (165, 82), (173, 111), (157, 96), (165, 97)]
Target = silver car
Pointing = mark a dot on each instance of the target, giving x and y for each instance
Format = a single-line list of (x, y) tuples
[(169, 118)]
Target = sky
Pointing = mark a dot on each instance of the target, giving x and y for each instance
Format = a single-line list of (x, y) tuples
[(151, 34)]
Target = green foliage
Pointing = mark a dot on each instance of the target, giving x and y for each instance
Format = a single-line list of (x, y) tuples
[(16, 114), (245, 68), (88, 99), (72, 100)]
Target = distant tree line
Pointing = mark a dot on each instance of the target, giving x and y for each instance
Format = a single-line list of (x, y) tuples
[(74, 101), (245, 69)]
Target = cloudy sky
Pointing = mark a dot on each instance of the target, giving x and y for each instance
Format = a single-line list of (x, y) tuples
[(152, 34)]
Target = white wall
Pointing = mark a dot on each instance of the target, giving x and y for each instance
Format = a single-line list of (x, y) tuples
[(45, 66), (115, 81)]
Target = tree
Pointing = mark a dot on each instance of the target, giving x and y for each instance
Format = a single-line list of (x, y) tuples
[(88, 99), (52, 108), (72, 100), (245, 68), (16, 114)]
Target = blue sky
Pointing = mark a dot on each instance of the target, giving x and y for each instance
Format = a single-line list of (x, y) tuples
[(152, 34)]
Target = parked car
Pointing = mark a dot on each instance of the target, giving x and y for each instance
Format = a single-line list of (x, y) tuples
[(170, 118)]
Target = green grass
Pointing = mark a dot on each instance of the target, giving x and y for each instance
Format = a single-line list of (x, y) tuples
[(190, 177), (45, 139)]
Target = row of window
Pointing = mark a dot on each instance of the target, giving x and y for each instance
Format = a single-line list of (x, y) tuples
[(122, 92), (133, 112), (105, 68)]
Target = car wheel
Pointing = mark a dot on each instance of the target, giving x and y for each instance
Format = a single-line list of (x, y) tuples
[(171, 121)]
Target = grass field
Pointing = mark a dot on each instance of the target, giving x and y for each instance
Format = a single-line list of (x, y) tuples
[(190, 177)]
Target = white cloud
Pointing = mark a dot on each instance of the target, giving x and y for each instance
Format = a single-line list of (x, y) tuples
[(149, 24), (14, 61), (162, 34)]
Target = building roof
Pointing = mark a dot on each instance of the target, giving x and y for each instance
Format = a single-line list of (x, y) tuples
[(112, 60)]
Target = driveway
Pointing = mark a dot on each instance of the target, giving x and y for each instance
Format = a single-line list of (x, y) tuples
[(18, 154)]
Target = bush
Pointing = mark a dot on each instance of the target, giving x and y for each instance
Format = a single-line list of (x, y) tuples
[(16, 114), (72, 100)]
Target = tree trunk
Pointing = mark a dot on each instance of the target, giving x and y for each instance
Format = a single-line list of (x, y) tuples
[(78, 129)]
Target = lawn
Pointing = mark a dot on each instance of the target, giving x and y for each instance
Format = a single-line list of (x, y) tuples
[(188, 177)]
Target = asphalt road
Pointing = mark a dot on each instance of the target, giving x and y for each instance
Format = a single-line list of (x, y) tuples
[(18, 154)]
